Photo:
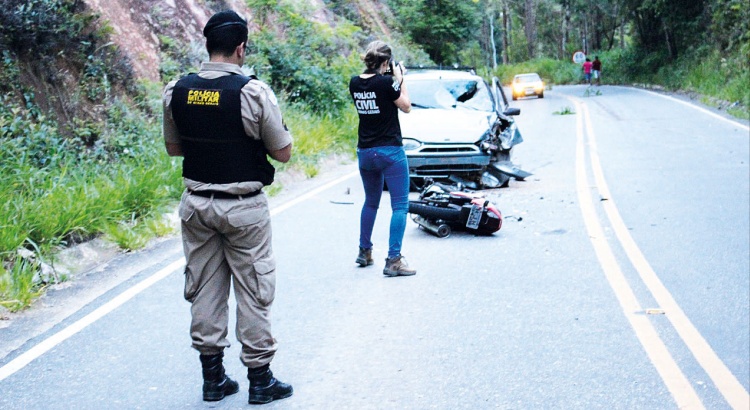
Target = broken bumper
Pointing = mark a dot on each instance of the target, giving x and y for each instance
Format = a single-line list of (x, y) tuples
[(441, 165)]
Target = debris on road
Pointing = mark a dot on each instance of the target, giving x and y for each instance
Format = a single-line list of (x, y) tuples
[(440, 209), (344, 199)]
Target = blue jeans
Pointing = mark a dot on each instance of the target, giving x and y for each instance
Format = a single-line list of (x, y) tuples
[(376, 165)]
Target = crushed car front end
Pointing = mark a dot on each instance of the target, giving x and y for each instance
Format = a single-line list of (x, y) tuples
[(457, 130), (438, 148)]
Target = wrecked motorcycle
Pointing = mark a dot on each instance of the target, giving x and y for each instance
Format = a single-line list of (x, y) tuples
[(440, 209)]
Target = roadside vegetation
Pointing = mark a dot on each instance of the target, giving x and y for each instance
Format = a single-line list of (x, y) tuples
[(707, 76), (81, 152)]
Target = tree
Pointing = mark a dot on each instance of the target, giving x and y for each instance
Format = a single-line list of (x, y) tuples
[(669, 26), (530, 27), (564, 25), (488, 30), (441, 26), (506, 31), (730, 27)]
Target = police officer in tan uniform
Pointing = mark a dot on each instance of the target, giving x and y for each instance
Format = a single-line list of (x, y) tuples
[(224, 125)]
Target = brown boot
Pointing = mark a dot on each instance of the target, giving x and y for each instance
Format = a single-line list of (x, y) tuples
[(397, 266), (365, 257)]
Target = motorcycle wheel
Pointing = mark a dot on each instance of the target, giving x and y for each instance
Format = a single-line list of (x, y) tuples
[(448, 214)]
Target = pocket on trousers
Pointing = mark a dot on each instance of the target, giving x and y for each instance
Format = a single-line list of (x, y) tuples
[(265, 275), (191, 285), (186, 212), (246, 217), (396, 154)]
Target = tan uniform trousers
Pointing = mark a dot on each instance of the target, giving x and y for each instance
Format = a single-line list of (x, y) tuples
[(229, 240)]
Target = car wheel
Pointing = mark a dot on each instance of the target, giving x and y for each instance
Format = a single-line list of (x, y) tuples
[(541, 95), (514, 97)]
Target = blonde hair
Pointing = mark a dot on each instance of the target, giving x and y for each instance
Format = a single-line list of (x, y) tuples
[(377, 52)]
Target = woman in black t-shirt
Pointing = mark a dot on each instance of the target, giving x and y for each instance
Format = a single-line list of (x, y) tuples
[(377, 98)]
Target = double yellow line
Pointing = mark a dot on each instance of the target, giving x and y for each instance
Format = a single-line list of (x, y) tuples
[(679, 386)]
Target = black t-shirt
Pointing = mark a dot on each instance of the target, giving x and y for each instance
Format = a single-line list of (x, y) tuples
[(378, 115)]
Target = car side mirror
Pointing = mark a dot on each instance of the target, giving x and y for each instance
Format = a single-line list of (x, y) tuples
[(512, 111)]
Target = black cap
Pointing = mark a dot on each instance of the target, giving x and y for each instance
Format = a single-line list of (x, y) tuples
[(223, 19)]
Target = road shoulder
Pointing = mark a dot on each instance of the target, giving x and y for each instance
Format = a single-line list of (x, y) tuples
[(97, 267)]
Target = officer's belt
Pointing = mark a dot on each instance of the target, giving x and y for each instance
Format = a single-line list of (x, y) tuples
[(223, 195)]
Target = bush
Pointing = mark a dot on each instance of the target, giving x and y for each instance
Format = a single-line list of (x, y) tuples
[(60, 190), (69, 181), (317, 134), (311, 65), (552, 71), (47, 26), (705, 71)]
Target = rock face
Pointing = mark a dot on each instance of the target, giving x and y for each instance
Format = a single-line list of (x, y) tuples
[(138, 26)]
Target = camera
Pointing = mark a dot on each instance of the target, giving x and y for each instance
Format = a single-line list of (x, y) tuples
[(391, 66)]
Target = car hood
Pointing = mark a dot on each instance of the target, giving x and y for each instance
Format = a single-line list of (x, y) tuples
[(439, 125)]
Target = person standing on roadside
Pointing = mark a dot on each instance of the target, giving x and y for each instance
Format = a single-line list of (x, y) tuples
[(587, 71), (378, 93), (596, 69), (224, 125)]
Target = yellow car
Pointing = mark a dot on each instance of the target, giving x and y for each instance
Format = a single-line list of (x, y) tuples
[(525, 85)]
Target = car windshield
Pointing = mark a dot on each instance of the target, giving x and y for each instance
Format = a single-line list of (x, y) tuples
[(527, 78), (444, 93)]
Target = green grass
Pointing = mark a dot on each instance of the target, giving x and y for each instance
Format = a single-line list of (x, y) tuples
[(591, 91), (721, 80), (564, 111), (17, 286), (58, 193), (552, 71), (317, 135), (18, 283)]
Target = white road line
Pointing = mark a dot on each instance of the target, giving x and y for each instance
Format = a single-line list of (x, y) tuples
[(725, 381), (677, 384), (46, 345), (312, 193), (54, 340), (705, 111)]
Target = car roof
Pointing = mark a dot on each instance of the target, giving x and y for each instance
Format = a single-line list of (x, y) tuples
[(526, 75), (431, 74)]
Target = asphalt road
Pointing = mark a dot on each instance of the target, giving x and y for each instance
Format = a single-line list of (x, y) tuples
[(618, 280)]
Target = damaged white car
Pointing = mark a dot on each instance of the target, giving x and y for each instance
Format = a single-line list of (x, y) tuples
[(460, 129)]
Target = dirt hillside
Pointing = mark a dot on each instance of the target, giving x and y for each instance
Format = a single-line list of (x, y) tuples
[(137, 25)]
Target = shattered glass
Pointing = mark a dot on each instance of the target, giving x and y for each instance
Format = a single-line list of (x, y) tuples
[(450, 94)]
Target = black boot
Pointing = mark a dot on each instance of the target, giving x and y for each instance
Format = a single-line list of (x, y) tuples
[(216, 384), (264, 388)]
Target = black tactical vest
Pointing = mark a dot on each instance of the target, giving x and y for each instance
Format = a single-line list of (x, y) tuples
[(214, 144)]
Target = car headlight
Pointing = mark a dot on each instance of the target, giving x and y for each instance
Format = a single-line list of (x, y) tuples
[(411, 144)]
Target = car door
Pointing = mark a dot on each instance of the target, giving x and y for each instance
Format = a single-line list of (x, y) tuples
[(500, 98)]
